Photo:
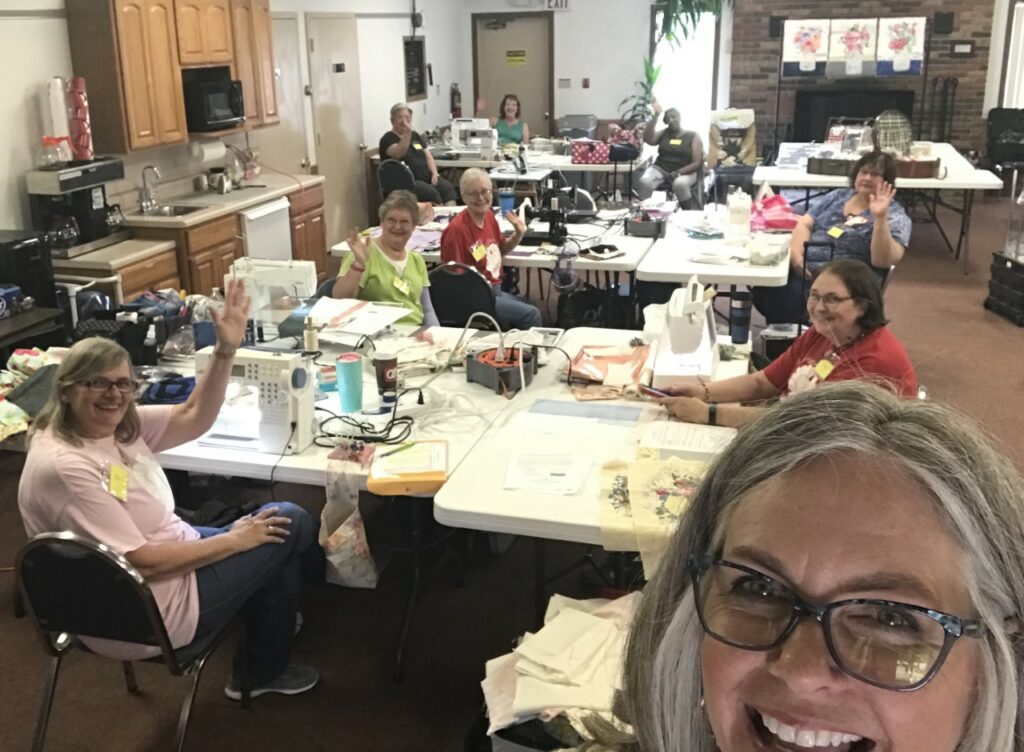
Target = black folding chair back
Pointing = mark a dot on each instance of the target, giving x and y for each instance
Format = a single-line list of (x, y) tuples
[(457, 291), (394, 175), (74, 587)]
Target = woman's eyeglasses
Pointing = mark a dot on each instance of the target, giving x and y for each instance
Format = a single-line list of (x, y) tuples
[(485, 193), (829, 299), (891, 645), (100, 384)]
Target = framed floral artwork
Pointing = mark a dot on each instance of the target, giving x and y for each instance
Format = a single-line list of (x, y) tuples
[(852, 46), (805, 48), (901, 46)]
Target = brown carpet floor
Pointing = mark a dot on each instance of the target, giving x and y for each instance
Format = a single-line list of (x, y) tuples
[(964, 355)]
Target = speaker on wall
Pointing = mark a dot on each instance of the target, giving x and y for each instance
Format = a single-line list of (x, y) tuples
[(943, 23)]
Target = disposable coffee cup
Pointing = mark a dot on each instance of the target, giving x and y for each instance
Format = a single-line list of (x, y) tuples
[(385, 366), (739, 317), (506, 200)]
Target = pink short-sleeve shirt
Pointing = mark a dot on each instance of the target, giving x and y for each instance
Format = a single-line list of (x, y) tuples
[(64, 487)]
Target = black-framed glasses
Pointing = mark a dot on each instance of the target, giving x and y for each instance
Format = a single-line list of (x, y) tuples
[(101, 384), (829, 299), (892, 645)]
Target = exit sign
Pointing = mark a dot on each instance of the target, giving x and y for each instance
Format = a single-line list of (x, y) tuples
[(558, 4)]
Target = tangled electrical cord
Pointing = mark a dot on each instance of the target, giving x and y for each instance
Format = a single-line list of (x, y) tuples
[(395, 431)]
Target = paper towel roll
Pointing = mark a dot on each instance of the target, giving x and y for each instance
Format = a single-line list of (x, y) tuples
[(57, 108), (207, 151)]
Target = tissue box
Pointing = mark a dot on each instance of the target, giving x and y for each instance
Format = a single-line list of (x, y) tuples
[(10, 299)]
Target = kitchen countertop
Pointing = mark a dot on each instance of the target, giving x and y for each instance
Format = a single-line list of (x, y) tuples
[(114, 257), (218, 205)]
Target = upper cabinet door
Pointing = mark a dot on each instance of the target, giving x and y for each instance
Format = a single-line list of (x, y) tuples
[(204, 31), (245, 64), (140, 113), (165, 72), (263, 52)]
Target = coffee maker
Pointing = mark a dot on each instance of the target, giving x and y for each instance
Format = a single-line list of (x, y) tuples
[(70, 204)]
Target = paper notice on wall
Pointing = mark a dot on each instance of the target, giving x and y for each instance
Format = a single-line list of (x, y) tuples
[(515, 57)]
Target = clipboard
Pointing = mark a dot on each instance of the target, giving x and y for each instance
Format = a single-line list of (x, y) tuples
[(414, 467)]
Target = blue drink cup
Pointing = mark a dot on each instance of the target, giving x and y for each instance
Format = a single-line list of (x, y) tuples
[(506, 200), (739, 317), (349, 368)]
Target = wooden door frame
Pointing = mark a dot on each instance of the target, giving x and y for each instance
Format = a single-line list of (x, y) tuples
[(1008, 39), (550, 17)]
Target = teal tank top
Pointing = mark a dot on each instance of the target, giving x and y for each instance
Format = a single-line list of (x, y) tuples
[(509, 134)]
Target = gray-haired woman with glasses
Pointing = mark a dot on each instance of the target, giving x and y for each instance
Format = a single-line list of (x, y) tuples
[(849, 577), (848, 339)]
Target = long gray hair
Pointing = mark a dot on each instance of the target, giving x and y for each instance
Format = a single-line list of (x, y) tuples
[(86, 359), (975, 490)]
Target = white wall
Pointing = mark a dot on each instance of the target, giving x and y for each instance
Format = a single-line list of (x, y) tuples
[(603, 40)]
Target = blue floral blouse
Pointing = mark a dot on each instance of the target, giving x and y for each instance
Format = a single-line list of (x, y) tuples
[(855, 241)]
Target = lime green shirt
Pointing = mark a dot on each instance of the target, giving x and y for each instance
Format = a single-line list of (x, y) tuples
[(381, 282)]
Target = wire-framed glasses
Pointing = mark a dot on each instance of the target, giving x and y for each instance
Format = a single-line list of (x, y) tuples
[(898, 646), (829, 299)]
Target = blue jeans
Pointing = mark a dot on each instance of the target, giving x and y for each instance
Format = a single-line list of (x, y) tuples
[(263, 584), (515, 312)]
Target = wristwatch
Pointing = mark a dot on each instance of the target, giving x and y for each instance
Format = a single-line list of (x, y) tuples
[(712, 413)]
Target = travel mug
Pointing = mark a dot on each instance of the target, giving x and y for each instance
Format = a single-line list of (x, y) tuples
[(739, 317), (385, 364), (506, 200), (349, 369)]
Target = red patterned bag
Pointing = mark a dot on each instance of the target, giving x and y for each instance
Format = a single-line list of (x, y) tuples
[(585, 151)]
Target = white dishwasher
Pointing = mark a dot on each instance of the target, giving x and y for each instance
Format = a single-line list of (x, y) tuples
[(266, 230)]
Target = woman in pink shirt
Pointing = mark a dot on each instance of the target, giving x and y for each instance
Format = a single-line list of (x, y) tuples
[(90, 470)]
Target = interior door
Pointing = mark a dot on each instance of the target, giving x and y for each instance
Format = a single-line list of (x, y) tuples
[(337, 119), (283, 147), (512, 54)]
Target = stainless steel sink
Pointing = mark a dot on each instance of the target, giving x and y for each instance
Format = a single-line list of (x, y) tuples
[(169, 210)]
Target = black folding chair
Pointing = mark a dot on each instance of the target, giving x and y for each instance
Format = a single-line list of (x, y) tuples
[(457, 292), (72, 588), (394, 175)]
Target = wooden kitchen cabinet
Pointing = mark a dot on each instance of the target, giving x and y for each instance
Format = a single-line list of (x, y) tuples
[(205, 252), (309, 235), (127, 50), (254, 60), (204, 31), (155, 273)]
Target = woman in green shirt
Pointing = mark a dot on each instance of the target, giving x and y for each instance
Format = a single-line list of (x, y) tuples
[(511, 128), (385, 271)]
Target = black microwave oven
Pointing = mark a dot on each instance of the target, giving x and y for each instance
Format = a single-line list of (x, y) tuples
[(213, 105)]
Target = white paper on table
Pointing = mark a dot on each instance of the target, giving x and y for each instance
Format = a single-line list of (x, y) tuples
[(422, 457), (687, 440), (355, 316), (561, 474)]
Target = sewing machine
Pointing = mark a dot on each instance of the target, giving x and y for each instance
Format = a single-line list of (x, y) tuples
[(267, 281), (687, 347), (474, 135), (269, 403)]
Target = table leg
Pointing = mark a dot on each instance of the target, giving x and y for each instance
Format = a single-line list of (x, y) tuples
[(632, 300), (540, 590), (964, 242)]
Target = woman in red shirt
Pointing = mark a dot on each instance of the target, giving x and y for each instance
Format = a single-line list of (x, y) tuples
[(848, 339)]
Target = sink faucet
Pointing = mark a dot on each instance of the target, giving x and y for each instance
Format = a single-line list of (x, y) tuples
[(149, 202)]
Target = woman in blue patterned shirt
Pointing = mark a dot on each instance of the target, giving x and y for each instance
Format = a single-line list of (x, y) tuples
[(862, 222)]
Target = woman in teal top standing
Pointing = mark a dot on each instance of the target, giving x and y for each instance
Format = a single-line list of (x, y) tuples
[(512, 129), (385, 271)]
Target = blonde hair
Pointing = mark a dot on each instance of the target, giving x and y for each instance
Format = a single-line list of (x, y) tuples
[(85, 360), (974, 489)]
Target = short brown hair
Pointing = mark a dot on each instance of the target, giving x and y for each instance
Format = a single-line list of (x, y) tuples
[(86, 359), (879, 163), (863, 286)]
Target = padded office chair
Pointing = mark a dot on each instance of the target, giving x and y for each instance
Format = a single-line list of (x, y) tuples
[(74, 587), (457, 292), (394, 175)]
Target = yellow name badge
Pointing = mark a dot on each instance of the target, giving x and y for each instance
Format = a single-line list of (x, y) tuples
[(823, 368), (401, 285), (418, 146), (478, 251), (676, 141), (117, 481), (836, 232)]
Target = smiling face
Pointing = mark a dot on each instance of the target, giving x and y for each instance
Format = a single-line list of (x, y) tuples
[(868, 181), (836, 528), (478, 194), (834, 314), (510, 108), (96, 415), (396, 229)]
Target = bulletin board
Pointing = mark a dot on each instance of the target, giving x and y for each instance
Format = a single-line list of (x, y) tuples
[(415, 68)]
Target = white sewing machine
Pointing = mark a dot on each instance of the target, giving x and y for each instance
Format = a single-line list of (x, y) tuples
[(686, 349), (474, 135), (267, 280), (269, 403)]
